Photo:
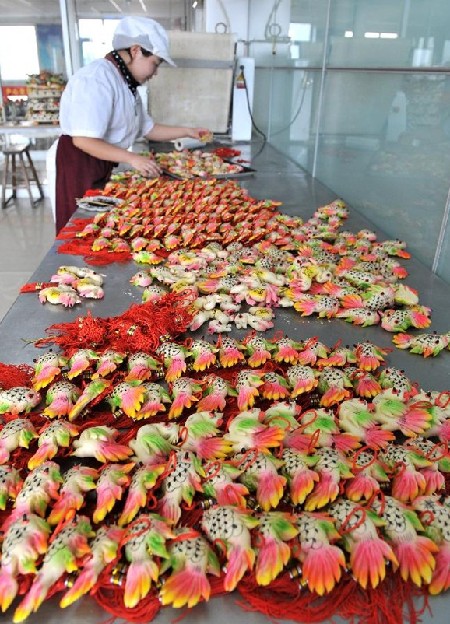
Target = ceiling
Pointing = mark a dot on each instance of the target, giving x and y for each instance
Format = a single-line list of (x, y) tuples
[(34, 11)]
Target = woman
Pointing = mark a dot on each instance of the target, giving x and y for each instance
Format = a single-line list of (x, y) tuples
[(101, 115)]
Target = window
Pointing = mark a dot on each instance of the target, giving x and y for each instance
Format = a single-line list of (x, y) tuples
[(300, 32), (96, 37), (18, 52), (380, 35)]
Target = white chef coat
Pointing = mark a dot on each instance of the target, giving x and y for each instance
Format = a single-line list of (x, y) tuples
[(97, 103)]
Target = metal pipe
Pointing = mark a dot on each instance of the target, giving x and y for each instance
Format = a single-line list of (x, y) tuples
[(66, 37), (70, 36), (322, 88), (2, 106), (442, 234)]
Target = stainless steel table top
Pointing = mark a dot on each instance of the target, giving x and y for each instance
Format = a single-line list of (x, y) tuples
[(280, 179)]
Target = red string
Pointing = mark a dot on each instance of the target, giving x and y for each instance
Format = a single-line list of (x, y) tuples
[(443, 399), (111, 599), (358, 469), (72, 227), (221, 545), (128, 536), (191, 534), (381, 496), (140, 328), (285, 600), (314, 440), (171, 465), (444, 454), (344, 529), (226, 152), (427, 517), (183, 433), (390, 603), (12, 375), (409, 444), (152, 501), (245, 458), (217, 468), (33, 287), (309, 422), (83, 247), (181, 617)]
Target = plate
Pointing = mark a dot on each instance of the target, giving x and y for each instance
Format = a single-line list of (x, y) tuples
[(98, 203), (241, 171), (200, 164)]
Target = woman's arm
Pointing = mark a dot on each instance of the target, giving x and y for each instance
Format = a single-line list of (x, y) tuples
[(105, 151), (161, 132)]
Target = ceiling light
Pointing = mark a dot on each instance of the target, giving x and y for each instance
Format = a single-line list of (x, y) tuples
[(194, 4), (116, 6), (142, 3)]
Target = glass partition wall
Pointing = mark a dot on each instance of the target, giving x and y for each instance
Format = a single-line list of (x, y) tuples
[(358, 94)]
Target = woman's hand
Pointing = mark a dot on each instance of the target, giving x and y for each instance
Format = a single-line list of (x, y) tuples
[(202, 134), (146, 165)]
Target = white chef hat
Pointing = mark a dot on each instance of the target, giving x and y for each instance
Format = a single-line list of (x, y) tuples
[(144, 32)]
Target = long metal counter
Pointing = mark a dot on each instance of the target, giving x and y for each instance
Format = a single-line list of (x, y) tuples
[(29, 129), (279, 179)]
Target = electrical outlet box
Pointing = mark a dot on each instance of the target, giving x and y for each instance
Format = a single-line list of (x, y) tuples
[(243, 88)]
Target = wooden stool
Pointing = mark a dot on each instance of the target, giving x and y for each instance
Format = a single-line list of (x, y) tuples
[(28, 170)]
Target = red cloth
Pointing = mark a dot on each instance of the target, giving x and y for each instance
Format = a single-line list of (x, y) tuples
[(76, 172)]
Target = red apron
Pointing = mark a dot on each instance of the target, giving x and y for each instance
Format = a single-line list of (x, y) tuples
[(76, 172)]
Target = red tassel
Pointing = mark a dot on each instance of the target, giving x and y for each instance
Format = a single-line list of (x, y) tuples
[(71, 228), (33, 287), (110, 597), (92, 193), (140, 328), (391, 602), (227, 152), (12, 376), (83, 247)]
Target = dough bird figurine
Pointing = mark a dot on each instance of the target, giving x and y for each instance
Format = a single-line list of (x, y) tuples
[(15, 434), (104, 549), (230, 526), (63, 555), (322, 561), (145, 546), (24, 541), (190, 561), (369, 554)]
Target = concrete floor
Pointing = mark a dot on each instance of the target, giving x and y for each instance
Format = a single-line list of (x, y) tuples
[(26, 235)]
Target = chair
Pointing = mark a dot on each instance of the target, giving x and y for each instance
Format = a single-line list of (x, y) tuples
[(19, 153)]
